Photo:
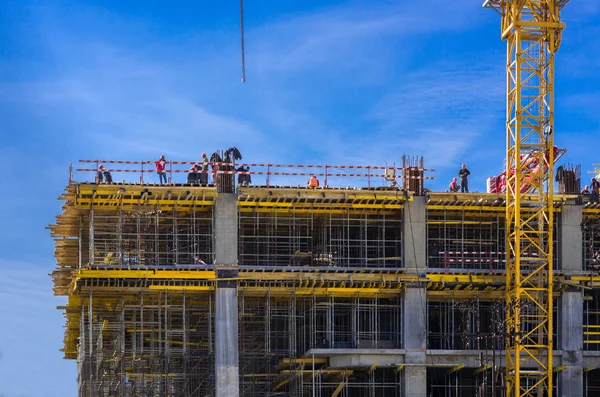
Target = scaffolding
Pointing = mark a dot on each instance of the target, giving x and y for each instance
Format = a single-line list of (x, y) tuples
[(149, 236), (276, 332), (591, 243), (466, 240), (317, 380), (295, 238), (466, 325), (471, 324), (460, 239), (146, 344)]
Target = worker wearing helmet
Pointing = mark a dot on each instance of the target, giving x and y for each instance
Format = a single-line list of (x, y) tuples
[(313, 182), (102, 172)]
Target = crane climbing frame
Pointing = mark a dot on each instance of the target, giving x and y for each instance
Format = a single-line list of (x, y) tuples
[(532, 30)]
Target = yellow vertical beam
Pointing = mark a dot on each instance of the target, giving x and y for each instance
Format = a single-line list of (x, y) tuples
[(532, 29)]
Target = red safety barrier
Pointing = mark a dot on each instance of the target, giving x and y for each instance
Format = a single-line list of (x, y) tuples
[(372, 167), (323, 170), (254, 173)]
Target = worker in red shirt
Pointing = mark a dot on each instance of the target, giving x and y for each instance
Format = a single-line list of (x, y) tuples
[(313, 182), (454, 185), (160, 169)]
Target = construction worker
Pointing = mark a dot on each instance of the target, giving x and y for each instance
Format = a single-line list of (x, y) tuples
[(586, 190), (595, 190), (203, 175), (464, 179), (192, 177), (244, 179), (160, 169), (102, 172), (99, 173), (454, 185), (313, 182), (215, 173)]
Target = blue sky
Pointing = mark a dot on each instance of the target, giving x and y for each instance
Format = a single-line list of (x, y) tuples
[(358, 82)]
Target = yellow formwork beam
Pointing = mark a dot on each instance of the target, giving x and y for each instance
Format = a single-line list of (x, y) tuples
[(455, 369), (315, 211), (147, 274), (338, 389), (444, 295), (320, 275), (372, 368), (107, 204), (182, 287), (249, 193), (339, 292), (282, 383), (316, 360), (466, 208), (482, 369), (317, 206)]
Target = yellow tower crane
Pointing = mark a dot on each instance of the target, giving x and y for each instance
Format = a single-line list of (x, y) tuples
[(532, 30)]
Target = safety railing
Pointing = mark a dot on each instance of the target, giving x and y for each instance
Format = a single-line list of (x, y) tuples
[(389, 175)]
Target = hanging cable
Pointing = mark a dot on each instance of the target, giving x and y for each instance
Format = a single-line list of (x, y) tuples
[(242, 40)]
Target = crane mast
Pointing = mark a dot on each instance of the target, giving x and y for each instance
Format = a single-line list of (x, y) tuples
[(532, 30)]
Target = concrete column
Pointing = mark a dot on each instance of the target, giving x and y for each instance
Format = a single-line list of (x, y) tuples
[(570, 242), (226, 301), (570, 239), (415, 340), (415, 299), (415, 235), (571, 334), (226, 333), (225, 236)]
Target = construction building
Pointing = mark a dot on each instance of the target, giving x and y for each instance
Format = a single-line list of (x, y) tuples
[(232, 290), (178, 290)]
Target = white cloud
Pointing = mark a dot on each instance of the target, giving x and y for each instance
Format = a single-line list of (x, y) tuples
[(342, 36)]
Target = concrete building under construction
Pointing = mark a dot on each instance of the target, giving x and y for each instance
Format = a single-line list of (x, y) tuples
[(178, 290)]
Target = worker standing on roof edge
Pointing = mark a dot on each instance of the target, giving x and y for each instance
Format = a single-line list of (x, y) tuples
[(595, 190), (454, 185), (464, 179), (244, 179), (103, 172), (192, 177), (313, 182), (203, 176), (160, 168)]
